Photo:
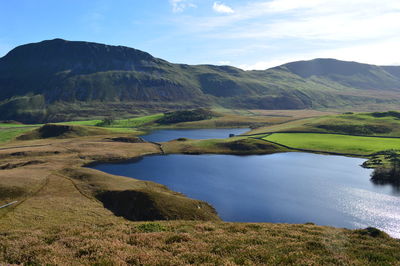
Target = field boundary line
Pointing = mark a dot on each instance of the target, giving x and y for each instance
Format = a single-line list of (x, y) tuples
[(75, 186), (314, 132), (27, 146), (30, 195)]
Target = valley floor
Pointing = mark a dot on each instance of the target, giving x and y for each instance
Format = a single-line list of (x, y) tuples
[(68, 214)]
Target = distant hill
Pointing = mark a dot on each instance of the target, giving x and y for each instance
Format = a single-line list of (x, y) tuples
[(351, 74), (60, 80)]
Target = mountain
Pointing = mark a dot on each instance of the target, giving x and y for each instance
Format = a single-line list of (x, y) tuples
[(58, 80)]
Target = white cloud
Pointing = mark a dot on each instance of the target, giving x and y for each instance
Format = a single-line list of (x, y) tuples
[(224, 63), (358, 30), (339, 27), (180, 5), (222, 8), (312, 19)]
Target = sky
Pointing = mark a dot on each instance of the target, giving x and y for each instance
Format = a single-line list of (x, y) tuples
[(249, 34)]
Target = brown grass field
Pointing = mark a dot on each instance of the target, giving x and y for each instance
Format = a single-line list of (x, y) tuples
[(61, 219)]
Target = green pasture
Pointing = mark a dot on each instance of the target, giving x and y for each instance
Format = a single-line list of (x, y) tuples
[(334, 142), (10, 133), (120, 123), (7, 125), (82, 123)]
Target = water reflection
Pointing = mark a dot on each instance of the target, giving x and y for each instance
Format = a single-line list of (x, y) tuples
[(394, 186)]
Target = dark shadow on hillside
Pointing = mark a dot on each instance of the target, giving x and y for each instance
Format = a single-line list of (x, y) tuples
[(132, 205)]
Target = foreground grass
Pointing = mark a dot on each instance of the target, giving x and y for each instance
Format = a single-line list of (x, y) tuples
[(334, 143), (118, 242)]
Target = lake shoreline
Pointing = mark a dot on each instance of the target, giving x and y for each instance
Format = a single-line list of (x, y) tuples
[(64, 200)]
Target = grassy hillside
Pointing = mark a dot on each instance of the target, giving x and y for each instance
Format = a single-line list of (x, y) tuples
[(349, 74), (82, 80), (62, 131), (366, 124)]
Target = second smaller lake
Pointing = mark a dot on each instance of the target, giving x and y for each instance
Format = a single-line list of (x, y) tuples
[(170, 134)]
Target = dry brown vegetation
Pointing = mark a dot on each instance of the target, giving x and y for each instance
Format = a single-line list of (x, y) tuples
[(101, 240), (59, 159), (61, 219)]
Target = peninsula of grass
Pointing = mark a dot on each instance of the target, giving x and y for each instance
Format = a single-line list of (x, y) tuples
[(334, 143), (236, 145)]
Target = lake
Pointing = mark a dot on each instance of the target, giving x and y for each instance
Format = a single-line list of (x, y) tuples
[(279, 188), (164, 135)]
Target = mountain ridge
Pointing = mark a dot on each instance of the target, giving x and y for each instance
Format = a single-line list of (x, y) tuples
[(56, 80)]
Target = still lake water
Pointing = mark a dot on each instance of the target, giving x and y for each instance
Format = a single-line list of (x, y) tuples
[(164, 135), (279, 188)]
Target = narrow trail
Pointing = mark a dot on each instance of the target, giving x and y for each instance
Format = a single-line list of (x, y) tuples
[(316, 132), (25, 146), (75, 186), (159, 145), (30, 195)]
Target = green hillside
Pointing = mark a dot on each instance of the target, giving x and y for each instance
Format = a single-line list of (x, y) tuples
[(362, 124), (60, 80)]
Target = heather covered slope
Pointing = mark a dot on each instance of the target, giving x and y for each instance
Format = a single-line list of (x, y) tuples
[(60, 80)]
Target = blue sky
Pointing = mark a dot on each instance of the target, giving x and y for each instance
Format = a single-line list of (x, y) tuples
[(250, 34)]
